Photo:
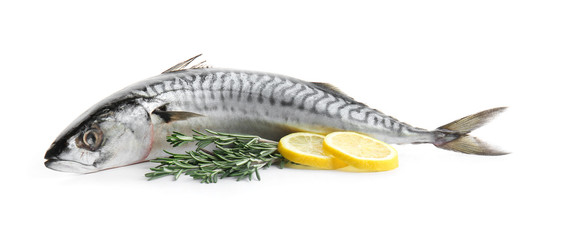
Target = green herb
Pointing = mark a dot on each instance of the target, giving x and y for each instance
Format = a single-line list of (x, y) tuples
[(235, 155)]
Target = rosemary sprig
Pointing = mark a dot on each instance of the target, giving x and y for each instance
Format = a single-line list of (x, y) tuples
[(235, 155)]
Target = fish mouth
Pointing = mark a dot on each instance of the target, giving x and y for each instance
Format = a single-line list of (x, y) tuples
[(71, 166)]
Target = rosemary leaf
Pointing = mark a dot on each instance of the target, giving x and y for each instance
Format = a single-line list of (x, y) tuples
[(234, 155)]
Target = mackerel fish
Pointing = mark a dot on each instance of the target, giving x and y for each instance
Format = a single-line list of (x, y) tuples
[(130, 126)]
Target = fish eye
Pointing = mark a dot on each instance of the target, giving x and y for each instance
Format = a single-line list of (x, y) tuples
[(90, 139)]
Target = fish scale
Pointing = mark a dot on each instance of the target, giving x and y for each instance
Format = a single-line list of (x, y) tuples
[(139, 117)]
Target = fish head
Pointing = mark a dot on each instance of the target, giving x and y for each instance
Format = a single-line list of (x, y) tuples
[(106, 136)]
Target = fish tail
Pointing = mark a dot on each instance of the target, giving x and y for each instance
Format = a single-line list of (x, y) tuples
[(455, 136)]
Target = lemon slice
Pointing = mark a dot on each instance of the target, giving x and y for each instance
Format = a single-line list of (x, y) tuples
[(361, 152), (307, 149)]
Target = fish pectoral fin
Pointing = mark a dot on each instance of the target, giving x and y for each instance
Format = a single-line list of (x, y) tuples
[(169, 116)]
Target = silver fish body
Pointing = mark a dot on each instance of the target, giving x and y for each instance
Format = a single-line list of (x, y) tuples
[(263, 104), (131, 125)]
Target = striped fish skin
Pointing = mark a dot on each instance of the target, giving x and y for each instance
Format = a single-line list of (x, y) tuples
[(274, 100), (137, 119)]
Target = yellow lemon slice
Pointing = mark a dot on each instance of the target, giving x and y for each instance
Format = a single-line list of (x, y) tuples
[(360, 151), (307, 149)]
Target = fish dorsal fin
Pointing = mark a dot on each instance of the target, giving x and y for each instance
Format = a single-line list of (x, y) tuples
[(169, 116), (182, 65), (330, 88), (201, 65)]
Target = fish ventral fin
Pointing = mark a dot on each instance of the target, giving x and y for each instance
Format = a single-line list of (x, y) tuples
[(182, 65), (454, 135), (170, 116)]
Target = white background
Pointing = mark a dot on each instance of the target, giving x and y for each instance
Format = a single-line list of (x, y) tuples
[(424, 62)]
